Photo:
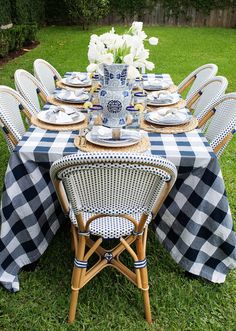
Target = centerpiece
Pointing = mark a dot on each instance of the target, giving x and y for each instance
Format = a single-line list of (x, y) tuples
[(118, 59)]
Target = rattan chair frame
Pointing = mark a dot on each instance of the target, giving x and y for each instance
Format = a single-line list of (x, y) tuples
[(39, 66), (191, 79), (218, 120), (81, 238), (192, 103), (32, 96), (11, 122)]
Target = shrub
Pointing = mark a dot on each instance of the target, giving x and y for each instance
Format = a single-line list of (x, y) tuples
[(5, 12), (16, 37), (86, 12)]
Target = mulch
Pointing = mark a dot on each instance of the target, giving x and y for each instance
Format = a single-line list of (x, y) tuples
[(17, 53)]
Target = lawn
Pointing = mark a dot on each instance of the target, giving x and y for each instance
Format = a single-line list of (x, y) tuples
[(110, 302)]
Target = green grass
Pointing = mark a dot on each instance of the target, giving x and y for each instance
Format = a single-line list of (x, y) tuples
[(110, 302)]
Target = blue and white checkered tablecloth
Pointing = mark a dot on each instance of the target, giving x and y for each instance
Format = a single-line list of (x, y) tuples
[(194, 224)]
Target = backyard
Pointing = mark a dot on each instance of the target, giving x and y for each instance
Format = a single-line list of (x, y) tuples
[(110, 302)]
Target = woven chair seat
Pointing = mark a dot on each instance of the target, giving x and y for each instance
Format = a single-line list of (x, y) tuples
[(110, 227)]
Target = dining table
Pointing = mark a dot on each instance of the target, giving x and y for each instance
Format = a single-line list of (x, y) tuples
[(194, 224)]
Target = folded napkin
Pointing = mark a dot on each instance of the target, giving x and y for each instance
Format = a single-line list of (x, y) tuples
[(162, 97), (79, 78), (169, 115), (156, 83), (72, 95), (59, 116), (100, 132)]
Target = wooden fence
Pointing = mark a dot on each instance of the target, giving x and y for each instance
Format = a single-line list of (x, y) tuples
[(158, 16)]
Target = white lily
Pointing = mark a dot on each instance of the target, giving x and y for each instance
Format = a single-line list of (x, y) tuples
[(153, 41)]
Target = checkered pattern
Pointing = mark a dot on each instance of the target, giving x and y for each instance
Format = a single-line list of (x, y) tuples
[(194, 224)]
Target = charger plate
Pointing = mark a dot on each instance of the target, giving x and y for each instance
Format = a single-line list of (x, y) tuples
[(142, 146), (51, 99), (55, 127), (70, 88), (181, 104), (144, 125)]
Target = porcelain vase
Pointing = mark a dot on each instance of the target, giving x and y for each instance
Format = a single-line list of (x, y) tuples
[(115, 95)]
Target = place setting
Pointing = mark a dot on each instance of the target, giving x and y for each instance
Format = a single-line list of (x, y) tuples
[(76, 80), (102, 138), (69, 97), (164, 98), (60, 118), (158, 83), (169, 120)]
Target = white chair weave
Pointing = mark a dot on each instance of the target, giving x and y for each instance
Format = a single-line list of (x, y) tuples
[(11, 105), (223, 122), (46, 74), (201, 75), (113, 184), (210, 92), (29, 87)]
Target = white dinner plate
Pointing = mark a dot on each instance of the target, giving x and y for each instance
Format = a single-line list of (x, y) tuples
[(176, 99), (112, 143), (47, 116), (166, 122), (70, 97), (68, 82), (163, 85)]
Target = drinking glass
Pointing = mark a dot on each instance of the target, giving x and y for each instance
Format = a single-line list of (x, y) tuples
[(135, 115), (140, 98), (94, 113)]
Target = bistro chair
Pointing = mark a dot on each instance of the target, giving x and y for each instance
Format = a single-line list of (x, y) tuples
[(197, 78), (218, 122), (210, 92), (111, 196), (11, 106), (31, 89), (46, 74)]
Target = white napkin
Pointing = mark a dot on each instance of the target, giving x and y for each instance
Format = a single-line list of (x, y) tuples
[(78, 78), (156, 83), (169, 115), (100, 132), (72, 95), (162, 97)]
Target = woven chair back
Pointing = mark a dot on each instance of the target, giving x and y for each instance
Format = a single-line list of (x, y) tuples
[(113, 184), (46, 74), (29, 87)]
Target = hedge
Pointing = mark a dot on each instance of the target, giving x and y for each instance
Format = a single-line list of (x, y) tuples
[(16, 37)]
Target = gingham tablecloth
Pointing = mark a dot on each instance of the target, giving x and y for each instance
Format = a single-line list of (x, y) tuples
[(194, 224)]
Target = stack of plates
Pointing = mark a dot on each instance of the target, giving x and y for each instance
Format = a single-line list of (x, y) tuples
[(102, 136), (61, 115), (71, 96), (156, 85), (77, 79), (169, 116), (162, 98)]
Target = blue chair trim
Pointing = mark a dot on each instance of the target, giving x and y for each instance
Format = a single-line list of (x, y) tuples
[(140, 264), (80, 264)]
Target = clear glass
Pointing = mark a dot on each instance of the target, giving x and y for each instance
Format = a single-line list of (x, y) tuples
[(141, 98), (94, 114), (135, 117)]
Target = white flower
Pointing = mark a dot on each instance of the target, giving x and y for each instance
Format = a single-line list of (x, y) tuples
[(129, 59), (149, 65), (153, 41), (137, 27), (108, 58), (92, 67), (132, 73)]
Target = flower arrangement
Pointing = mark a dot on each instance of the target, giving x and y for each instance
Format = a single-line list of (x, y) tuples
[(128, 48)]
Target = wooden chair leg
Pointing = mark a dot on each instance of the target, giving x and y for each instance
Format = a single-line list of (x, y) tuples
[(77, 279), (141, 249)]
